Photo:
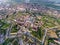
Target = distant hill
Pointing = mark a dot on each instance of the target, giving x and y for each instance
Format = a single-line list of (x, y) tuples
[(41, 2)]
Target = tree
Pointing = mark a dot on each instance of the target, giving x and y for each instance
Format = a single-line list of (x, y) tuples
[(39, 32)]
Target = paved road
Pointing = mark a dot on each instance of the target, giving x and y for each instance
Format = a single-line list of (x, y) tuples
[(8, 31), (31, 36)]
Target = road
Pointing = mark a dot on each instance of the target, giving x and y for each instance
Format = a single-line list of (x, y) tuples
[(8, 31), (13, 35), (32, 37)]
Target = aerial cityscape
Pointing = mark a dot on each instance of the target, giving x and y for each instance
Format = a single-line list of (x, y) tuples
[(29, 22)]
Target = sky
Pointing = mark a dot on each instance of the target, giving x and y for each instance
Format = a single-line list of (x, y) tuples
[(3, 0), (29, 0), (55, 0)]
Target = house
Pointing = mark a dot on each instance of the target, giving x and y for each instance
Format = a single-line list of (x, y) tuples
[(27, 24), (0, 17)]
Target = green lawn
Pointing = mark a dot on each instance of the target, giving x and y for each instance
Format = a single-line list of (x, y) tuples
[(7, 41), (14, 29), (4, 26)]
